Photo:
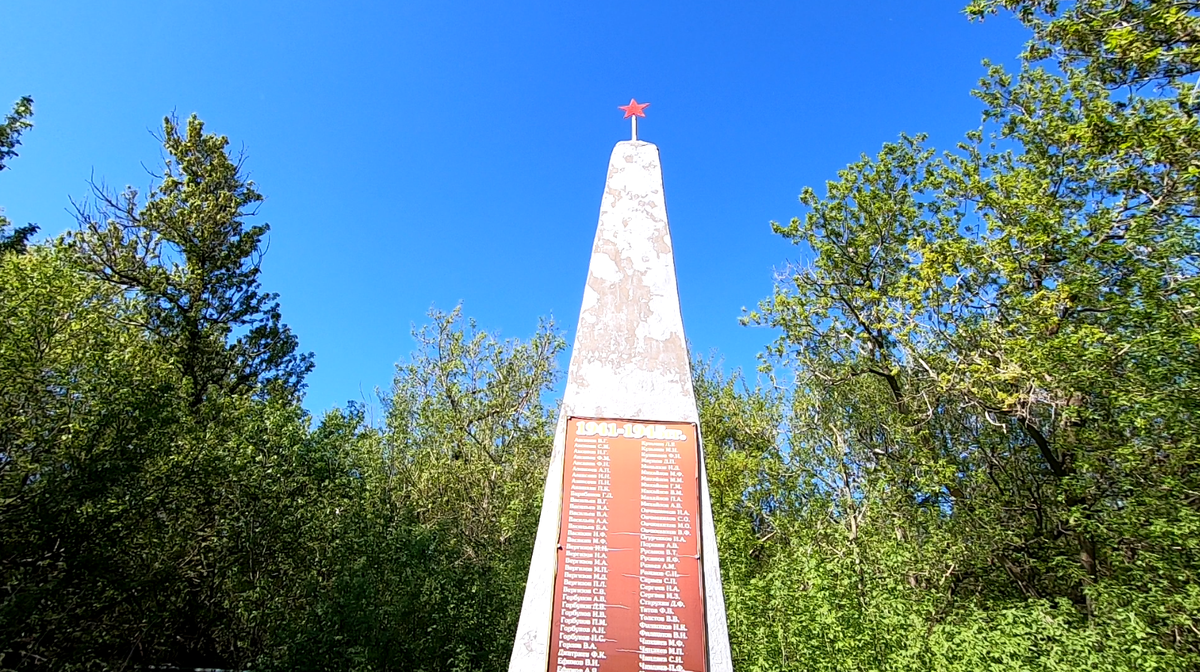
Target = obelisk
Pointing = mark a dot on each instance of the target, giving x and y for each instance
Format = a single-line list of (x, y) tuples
[(625, 574)]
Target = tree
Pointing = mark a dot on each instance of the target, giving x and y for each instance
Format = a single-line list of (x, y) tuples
[(1116, 44), (164, 500), (86, 410), (467, 445), (188, 252), (996, 353), (153, 476), (424, 562), (14, 125)]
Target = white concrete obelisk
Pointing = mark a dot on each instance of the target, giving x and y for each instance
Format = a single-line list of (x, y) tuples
[(629, 361)]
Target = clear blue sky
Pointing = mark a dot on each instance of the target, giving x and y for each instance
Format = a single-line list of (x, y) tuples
[(429, 153)]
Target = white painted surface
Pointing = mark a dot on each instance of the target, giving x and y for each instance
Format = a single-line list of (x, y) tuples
[(630, 361)]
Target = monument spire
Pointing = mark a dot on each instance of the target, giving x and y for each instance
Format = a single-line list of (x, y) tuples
[(624, 575)]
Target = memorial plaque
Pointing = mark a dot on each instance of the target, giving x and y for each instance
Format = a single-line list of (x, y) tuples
[(628, 593)]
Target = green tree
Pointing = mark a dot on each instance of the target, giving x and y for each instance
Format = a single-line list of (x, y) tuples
[(158, 477), (188, 252), (85, 406), (997, 357), (428, 553), (1116, 44), (131, 531), (14, 125)]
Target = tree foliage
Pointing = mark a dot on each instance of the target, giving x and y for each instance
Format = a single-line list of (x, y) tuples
[(14, 125), (166, 501), (427, 560), (189, 254), (985, 455), (997, 360), (81, 405)]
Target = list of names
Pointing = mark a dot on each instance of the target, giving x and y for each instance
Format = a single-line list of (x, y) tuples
[(629, 586)]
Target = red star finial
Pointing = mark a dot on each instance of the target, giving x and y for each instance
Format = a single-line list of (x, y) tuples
[(634, 108)]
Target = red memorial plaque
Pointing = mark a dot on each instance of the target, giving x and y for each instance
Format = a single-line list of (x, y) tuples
[(629, 595)]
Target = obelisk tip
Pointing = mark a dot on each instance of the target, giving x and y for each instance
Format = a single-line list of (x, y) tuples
[(632, 111)]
